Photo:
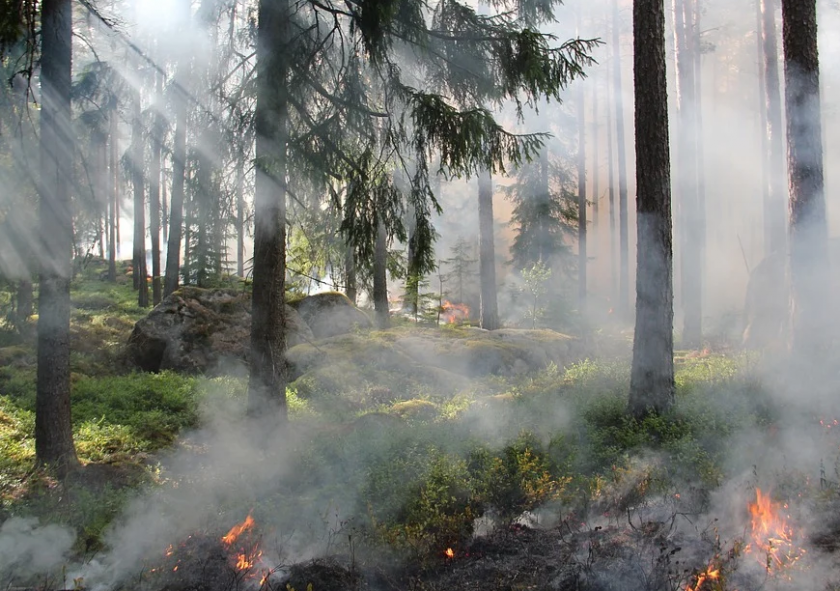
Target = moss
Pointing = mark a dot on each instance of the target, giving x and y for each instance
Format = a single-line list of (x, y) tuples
[(422, 410)]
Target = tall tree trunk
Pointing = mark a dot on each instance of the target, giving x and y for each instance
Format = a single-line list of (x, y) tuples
[(137, 180), (380, 277), (596, 166), (774, 213), (686, 157), (652, 376), (176, 207), (699, 139), (240, 216), (582, 258), (762, 122), (350, 273), (100, 151), (114, 194), (154, 193), (545, 190), (623, 235), (412, 280), (269, 372), (53, 430), (808, 226), (489, 309), (164, 210), (204, 213), (611, 198)]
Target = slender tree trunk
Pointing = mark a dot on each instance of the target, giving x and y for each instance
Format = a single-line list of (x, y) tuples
[(545, 189), (623, 236), (114, 195), (489, 309), (269, 372), (611, 198), (762, 122), (380, 278), (154, 194), (652, 375), (699, 138), (686, 157), (240, 216), (350, 273), (176, 208), (582, 258), (205, 222), (808, 225), (596, 166), (412, 281), (164, 210), (53, 431), (774, 213), (137, 180), (100, 150)]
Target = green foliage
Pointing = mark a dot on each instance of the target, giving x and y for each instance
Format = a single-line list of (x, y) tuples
[(536, 279)]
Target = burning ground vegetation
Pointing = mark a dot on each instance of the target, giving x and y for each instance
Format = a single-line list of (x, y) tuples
[(540, 482)]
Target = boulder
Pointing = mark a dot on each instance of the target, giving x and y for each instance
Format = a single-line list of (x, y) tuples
[(198, 330), (330, 314)]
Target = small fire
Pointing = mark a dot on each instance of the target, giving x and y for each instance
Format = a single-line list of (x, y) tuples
[(237, 530), (712, 573), (450, 553), (772, 537), (453, 313)]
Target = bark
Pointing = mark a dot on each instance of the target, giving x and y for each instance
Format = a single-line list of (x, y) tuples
[(596, 165), (774, 212), (808, 226), (176, 207), (689, 216), (240, 216), (623, 236), (581, 200), (611, 197), (53, 431), (23, 301), (204, 213), (269, 371), (489, 310), (138, 182), (652, 375), (164, 210), (380, 278), (350, 273), (762, 122), (113, 196), (412, 281), (699, 138), (154, 196)]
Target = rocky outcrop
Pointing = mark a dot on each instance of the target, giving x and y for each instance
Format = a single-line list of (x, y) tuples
[(201, 331), (330, 314)]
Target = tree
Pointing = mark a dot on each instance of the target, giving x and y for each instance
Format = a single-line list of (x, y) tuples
[(652, 375), (489, 308), (774, 206), (158, 130), (138, 182), (808, 226), (581, 188), (623, 238), (53, 431)]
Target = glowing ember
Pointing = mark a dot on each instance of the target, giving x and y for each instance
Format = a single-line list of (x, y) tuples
[(237, 530), (450, 553), (169, 550), (772, 537)]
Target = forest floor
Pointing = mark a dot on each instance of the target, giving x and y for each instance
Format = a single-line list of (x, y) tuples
[(504, 482)]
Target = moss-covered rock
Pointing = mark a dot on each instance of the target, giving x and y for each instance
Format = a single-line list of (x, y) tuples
[(330, 314), (201, 330)]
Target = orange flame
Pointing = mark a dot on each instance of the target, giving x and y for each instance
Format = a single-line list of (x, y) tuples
[(453, 313), (450, 553), (772, 537), (237, 530), (710, 574)]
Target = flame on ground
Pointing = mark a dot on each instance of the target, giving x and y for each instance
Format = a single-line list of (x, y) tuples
[(450, 553), (712, 573), (772, 536), (452, 313), (237, 531)]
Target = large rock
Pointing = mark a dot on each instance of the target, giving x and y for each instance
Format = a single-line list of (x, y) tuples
[(330, 314), (201, 331)]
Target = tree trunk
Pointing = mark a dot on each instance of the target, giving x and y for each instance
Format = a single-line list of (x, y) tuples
[(114, 195), (689, 223), (380, 277), (808, 226), (53, 430), (611, 198), (154, 194), (596, 167), (581, 201), (350, 273), (164, 210), (774, 212), (176, 207), (489, 310), (623, 237), (269, 372), (412, 280), (762, 123), (652, 376), (23, 300), (699, 140), (240, 216), (137, 180)]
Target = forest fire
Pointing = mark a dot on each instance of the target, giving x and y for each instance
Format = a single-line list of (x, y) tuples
[(772, 537), (237, 530), (712, 573), (449, 553), (249, 554), (453, 313)]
